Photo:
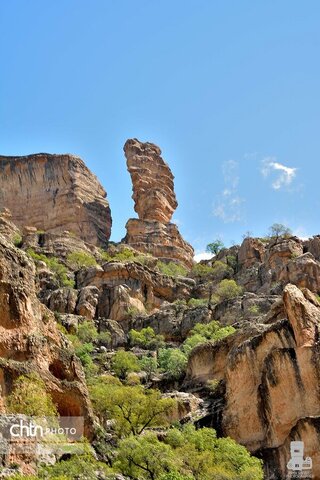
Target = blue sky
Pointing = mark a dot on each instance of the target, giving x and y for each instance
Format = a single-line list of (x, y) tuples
[(229, 91)]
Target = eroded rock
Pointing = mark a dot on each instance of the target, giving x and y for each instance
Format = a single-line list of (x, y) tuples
[(155, 202), (271, 377), (55, 193)]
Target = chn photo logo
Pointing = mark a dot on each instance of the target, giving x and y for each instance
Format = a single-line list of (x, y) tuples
[(298, 465)]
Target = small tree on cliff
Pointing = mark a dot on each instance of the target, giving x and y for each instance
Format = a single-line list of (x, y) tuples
[(215, 247), (279, 230)]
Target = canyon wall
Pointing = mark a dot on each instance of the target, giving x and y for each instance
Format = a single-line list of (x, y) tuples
[(55, 193)]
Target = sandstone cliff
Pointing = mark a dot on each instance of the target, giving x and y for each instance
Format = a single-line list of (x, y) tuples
[(268, 377), (31, 342), (155, 202), (55, 193)]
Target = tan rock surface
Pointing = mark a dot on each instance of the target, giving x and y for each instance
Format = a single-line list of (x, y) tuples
[(161, 240), (55, 193), (252, 251), (127, 286), (31, 342), (152, 180), (155, 202), (271, 378)]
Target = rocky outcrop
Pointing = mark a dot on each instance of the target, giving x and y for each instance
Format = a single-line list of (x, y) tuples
[(129, 288), (268, 380), (155, 202), (31, 342), (161, 240), (252, 251), (152, 180), (173, 321), (55, 193)]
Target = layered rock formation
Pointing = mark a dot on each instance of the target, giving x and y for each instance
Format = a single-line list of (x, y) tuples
[(55, 193), (31, 342), (155, 202), (268, 391)]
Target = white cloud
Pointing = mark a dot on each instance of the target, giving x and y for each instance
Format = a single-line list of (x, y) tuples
[(284, 175), (202, 256), (301, 233), (229, 205)]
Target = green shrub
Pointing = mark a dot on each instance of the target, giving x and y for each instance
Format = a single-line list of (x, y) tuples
[(254, 309), (232, 261), (146, 338), (87, 332), (228, 289), (172, 361), (77, 260), (104, 338), (198, 302), (212, 385), (126, 254), (201, 270), (172, 269), (217, 271), (29, 397), (144, 457), (124, 362), (133, 311), (17, 240), (148, 365), (80, 467), (202, 333), (181, 302), (55, 266)]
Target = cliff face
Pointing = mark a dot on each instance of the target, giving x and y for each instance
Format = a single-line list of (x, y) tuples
[(31, 342), (155, 203), (55, 193), (269, 383)]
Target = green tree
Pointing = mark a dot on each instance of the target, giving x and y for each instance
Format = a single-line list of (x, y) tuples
[(148, 365), (146, 338), (144, 457), (215, 247), (175, 476), (29, 397), (124, 362), (206, 457), (279, 230), (80, 467), (228, 289), (77, 260), (202, 333), (132, 407), (172, 361), (172, 269), (87, 332)]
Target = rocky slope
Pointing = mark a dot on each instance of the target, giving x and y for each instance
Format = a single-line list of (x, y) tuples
[(55, 193), (155, 203)]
